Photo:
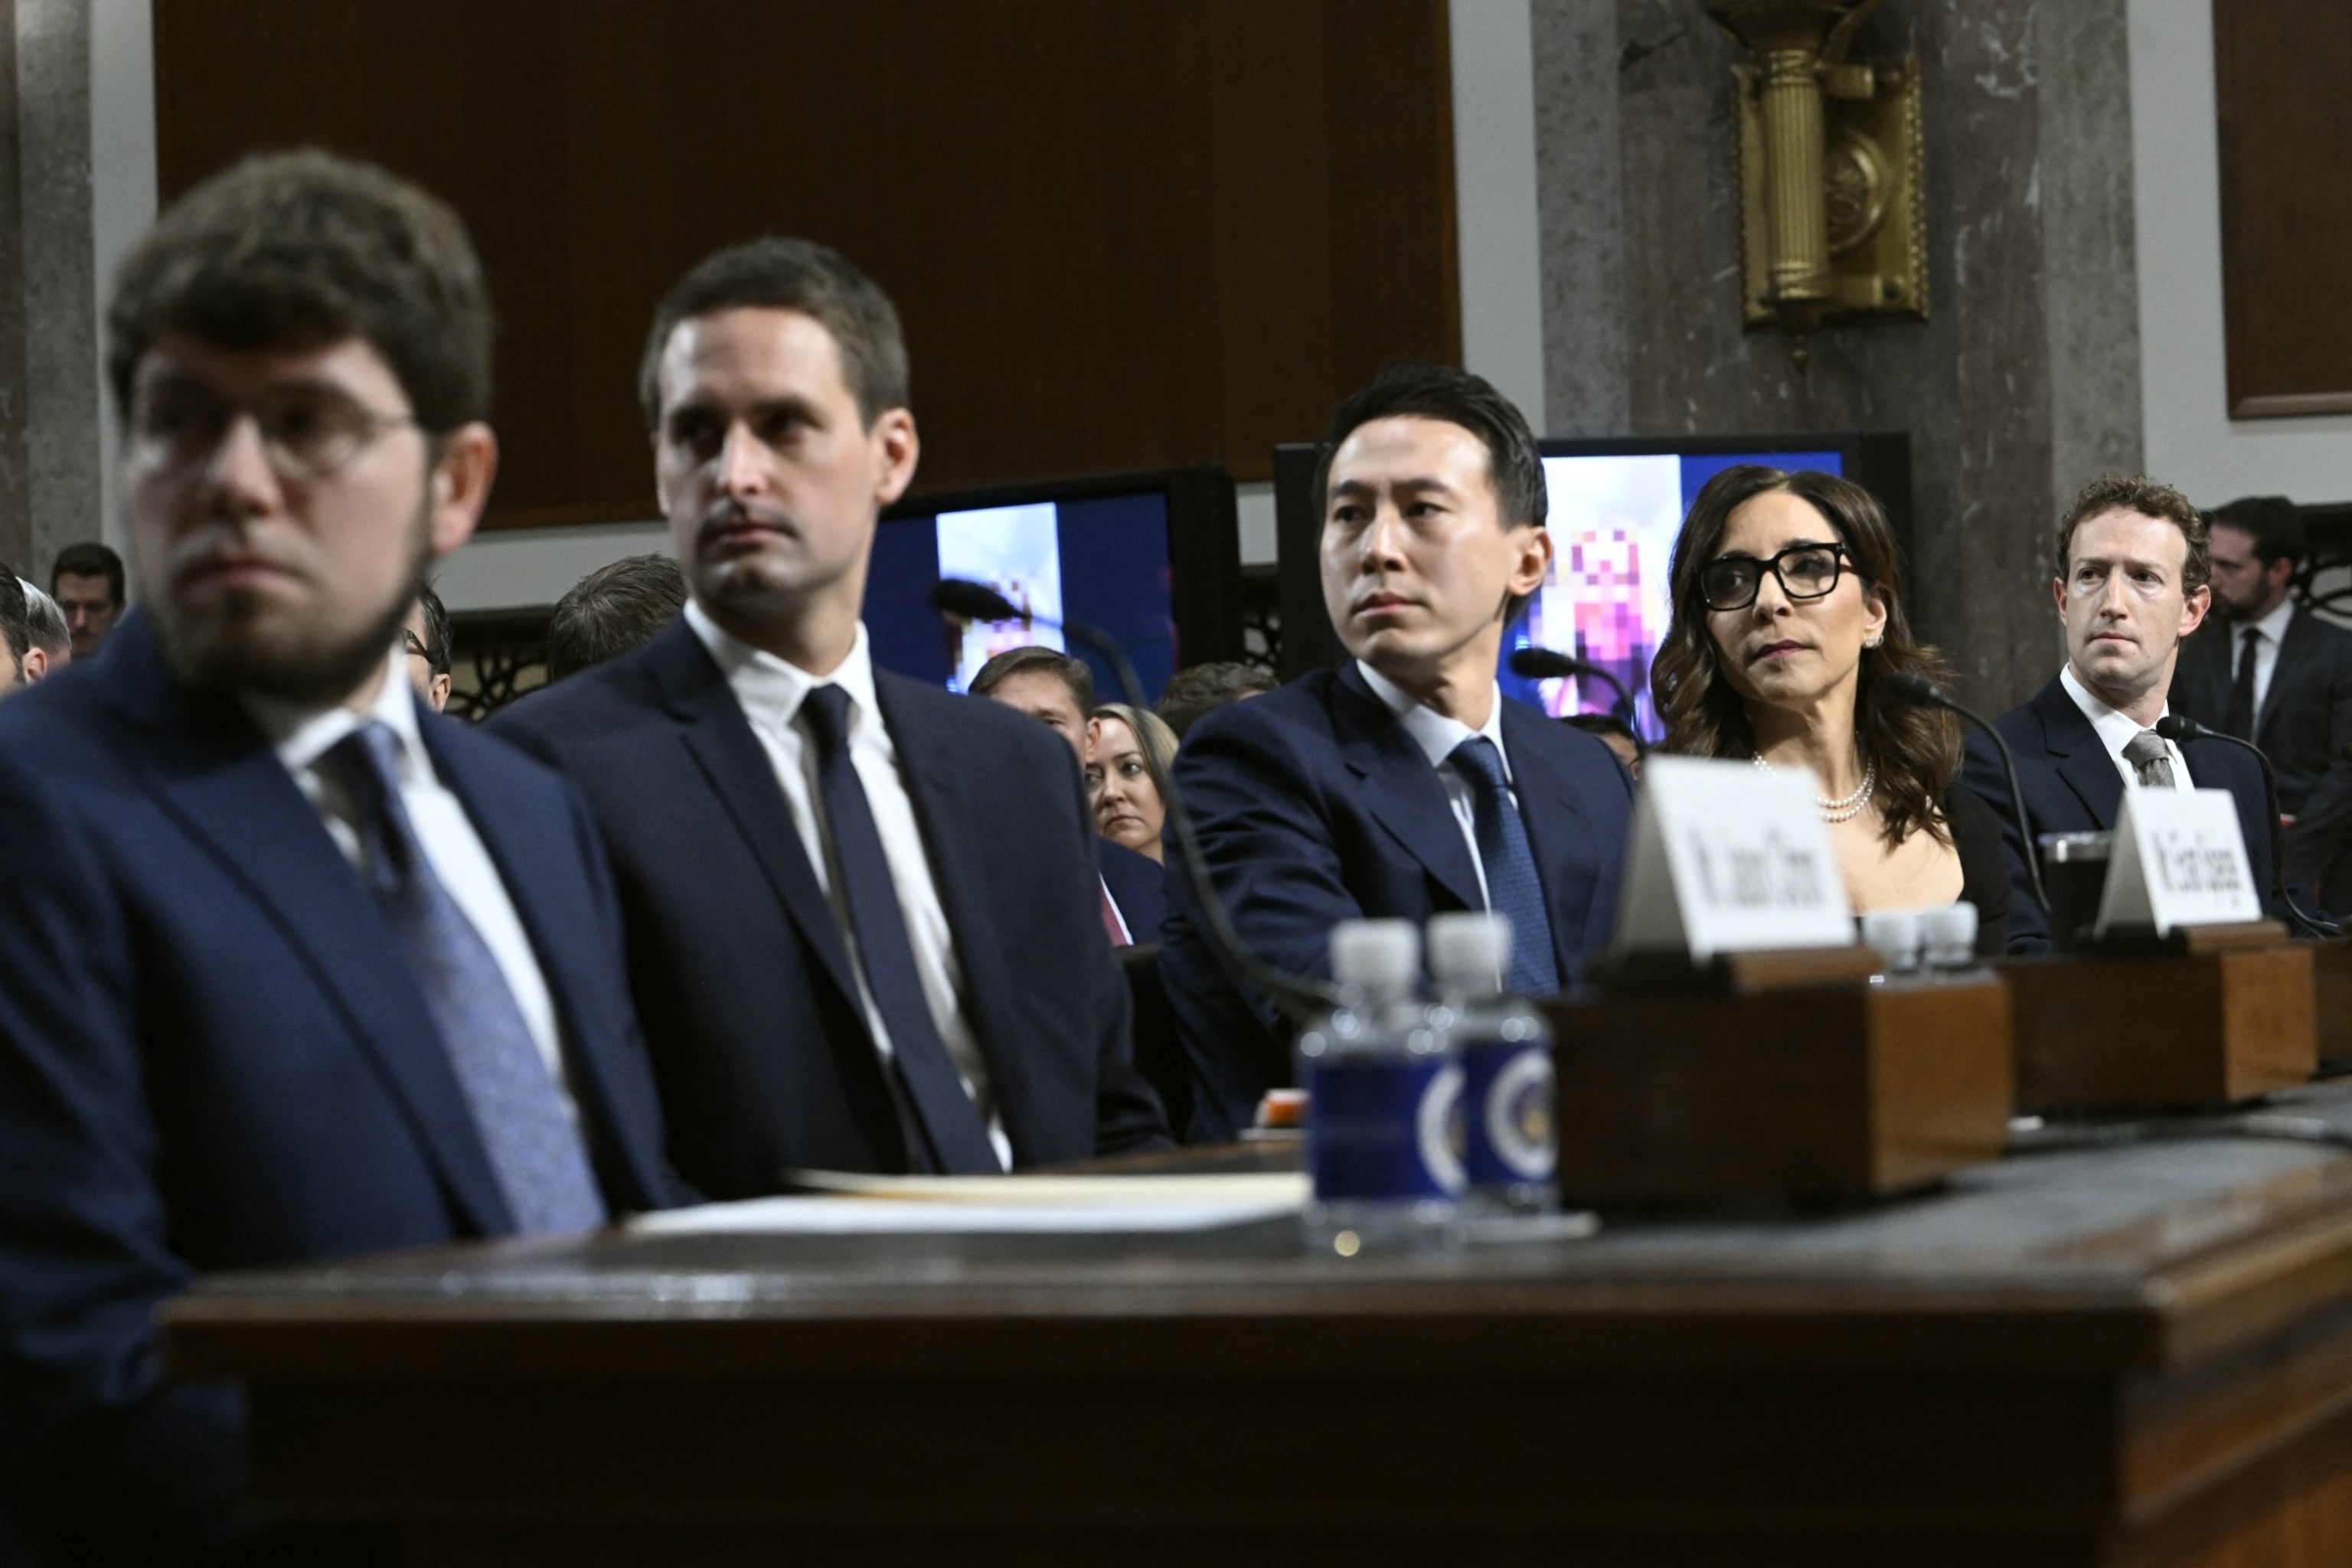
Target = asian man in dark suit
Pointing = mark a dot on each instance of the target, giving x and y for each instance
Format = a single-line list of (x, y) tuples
[(2267, 670), (1404, 783), (865, 928), (2131, 583), (290, 967)]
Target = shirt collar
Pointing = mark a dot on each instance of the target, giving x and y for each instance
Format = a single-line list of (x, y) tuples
[(771, 689), (301, 735), (1432, 732), (2114, 726), (2273, 626)]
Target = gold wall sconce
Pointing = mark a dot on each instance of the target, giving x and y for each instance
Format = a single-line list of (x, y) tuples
[(1833, 182)]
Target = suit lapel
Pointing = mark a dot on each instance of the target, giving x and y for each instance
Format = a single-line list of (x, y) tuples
[(216, 773), (1400, 789), (1559, 831), (523, 840), (2083, 760), (720, 738), (2294, 652)]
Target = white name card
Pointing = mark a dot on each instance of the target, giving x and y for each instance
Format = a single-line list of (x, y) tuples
[(2179, 860), (1728, 857)]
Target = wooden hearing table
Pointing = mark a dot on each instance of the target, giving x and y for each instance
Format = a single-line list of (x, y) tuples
[(2137, 1355)]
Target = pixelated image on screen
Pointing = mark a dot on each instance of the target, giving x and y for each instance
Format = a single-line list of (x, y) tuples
[(1613, 522)]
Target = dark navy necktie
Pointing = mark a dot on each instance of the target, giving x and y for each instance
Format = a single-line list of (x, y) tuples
[(1512, 886), (534, 1147), (949, 1121), (2239, 719)]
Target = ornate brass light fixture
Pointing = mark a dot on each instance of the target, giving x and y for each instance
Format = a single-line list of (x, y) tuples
[(1832, 170)]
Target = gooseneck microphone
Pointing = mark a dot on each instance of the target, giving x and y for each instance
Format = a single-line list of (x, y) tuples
[(2179, 730), (1549, 664), (1302, 998), (1922, 692)]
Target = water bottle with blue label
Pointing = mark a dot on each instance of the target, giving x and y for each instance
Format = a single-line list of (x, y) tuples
[(1509, 1114), (1385, 1090)]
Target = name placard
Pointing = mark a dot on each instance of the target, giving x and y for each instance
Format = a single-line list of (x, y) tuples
[(2180, 860), (1729, 859)]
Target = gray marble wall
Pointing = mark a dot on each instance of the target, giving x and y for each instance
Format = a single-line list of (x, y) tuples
[(2023, 385)]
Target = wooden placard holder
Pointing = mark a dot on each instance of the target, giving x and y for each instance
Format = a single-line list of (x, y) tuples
[(1775, 1076), (2331, 978), (2224, 1014)]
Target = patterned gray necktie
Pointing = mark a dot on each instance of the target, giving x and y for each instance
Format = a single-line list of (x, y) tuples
[(2146, 753), (542, 1164)]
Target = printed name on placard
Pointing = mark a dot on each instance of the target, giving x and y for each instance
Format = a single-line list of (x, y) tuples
[(1729, 858)]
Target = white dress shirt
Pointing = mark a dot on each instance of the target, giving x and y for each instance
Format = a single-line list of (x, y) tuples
[(770, 692), (455, 851), (1437, 735), (2273, 629), (2117, 730)]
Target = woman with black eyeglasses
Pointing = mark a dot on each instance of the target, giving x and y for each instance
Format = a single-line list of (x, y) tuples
[(1787, 613)]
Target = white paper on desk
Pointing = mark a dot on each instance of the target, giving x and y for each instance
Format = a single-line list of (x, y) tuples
[(980, 1204)]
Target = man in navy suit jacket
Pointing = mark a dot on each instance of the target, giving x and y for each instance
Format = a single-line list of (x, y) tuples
[(864, 924), (2132, 582), (1365, 793), (227, 1037)]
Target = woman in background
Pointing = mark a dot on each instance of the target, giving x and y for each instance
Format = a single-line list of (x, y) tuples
[(1787, 613), (1128, 752)]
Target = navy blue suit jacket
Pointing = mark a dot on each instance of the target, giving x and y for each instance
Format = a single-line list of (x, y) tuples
[(210, 1058), (1315, 805), (741, 975), (1137, 886), (2071, 784)]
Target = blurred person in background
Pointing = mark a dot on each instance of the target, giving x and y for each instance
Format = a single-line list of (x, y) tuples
[(1614, 733), (614, 610), (16, 632), (424, 638), (1200, 689), (1129, 752), (45, 625), (86, 583)]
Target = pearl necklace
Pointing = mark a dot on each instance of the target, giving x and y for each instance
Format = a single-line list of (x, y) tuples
[(1845, 810)]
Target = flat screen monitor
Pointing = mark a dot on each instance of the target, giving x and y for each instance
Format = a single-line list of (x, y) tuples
[(1154, 559), (1616, 506)]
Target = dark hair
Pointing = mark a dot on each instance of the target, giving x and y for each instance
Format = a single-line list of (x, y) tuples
[(90, 559), (16, 622), (2274, 522), (1013, 661), (1193, 693), (45, 623), (2142, 495), (1514, 462), (303, 249), (1603, 724), (791, 275), (613, 610), (437, 630), (1917, 750)]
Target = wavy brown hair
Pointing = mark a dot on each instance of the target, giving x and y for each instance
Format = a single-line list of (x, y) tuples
[(1917, 750)]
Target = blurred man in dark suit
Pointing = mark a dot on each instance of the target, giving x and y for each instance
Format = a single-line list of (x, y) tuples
[(838, 881), (2267, 669), (1404, 783), (2132, 582), (614, 610), (290, 967), (87, 583)]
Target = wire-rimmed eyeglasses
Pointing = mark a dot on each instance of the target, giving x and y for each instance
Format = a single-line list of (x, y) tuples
[(1805, 572)]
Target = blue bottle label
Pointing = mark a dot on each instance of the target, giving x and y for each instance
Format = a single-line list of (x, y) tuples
[(1386, 1128), (1513, 1133)]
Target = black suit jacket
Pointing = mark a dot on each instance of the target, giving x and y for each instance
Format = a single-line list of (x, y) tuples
[(2070, 786), (1137, 885), (1315, 805), (2304, 726), (741, 973), (210, 1059)]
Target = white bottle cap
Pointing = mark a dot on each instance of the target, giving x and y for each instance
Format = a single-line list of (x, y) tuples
[(1948, 933), (1895, 934), (1381, 958), (1467, 949)]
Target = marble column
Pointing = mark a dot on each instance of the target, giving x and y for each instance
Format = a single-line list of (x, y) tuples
[(2024, 384)]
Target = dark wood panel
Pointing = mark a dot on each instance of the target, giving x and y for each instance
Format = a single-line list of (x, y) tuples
[(1124, 234), (2280, 67)]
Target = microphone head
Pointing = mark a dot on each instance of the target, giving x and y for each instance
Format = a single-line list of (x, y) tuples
[(2176, 728), (1544, 663), (1906, 687), (969, 601)]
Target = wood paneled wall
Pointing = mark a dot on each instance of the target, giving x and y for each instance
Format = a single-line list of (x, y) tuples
[(2281, 72), (1122, 233)]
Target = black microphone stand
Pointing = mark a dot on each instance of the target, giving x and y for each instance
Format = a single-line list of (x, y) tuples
[(1550, 664), (2178, 728), (1906, 687), (1300, 998)]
